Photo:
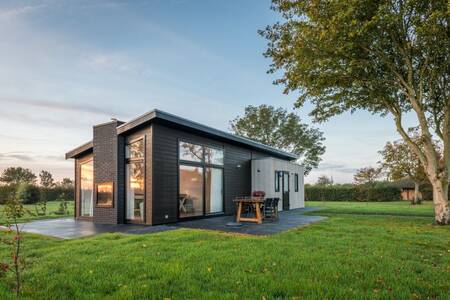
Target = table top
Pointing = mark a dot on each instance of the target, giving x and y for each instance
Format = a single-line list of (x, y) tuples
[(249, 199)]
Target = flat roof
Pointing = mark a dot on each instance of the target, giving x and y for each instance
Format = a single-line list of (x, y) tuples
[(80, 150), (156, 114)]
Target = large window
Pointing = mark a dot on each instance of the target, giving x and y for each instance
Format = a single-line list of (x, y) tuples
[(191, 191), (135, 181), (87, 189), (200, 180)]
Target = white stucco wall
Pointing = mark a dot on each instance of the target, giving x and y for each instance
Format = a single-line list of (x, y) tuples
[(263, 179)]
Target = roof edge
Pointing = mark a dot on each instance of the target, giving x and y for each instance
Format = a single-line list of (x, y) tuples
[(158, 114), (80, 150)]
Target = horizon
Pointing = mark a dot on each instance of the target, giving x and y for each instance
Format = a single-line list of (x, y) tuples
[(87, 62)]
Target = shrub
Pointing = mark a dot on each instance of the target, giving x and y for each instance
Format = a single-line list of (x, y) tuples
[(28, 193), (348, 192), (47, 194)]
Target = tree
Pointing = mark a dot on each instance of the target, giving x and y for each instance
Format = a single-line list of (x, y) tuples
[(14, 210), (17, 175), (66, 183), (368, 175), (386, 57), (46, 179), (280, 129), (324, 180), (28, 193), (400, 162)]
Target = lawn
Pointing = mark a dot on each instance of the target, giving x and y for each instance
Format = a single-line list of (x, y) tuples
[(52, 208), (347, 256), (397, 208)]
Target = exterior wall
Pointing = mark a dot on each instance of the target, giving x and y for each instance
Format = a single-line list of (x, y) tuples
[(263, 179), (237, 171), (146, 134), (109, 158), (78, 161)]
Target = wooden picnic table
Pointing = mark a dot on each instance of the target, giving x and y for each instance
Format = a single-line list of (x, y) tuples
[(253, 201)]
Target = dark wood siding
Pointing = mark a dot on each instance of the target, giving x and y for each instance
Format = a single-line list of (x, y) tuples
[(237, 171)]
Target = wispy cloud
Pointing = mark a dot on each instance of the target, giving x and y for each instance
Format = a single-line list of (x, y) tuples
[(336, 166), (28, 157), (67, 106)]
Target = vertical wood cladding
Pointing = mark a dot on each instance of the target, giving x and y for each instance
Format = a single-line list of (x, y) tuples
[(146, 134), (237, 171), (78, 161), (109, 155)]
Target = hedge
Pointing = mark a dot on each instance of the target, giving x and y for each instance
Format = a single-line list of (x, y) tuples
[(362, 193), (50, 194)]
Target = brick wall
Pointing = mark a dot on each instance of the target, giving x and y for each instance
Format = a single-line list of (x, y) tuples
[(109, 158)]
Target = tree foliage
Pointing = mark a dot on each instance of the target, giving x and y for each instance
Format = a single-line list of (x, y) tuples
[(46, 179), (283, 130), (17, 175), (386, 57), (324, 180), (367, 175)]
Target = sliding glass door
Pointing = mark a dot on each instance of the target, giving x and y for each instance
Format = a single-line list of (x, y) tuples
[(191, 191), (200, 180), (87, 189), (135, 179), (213, 190)]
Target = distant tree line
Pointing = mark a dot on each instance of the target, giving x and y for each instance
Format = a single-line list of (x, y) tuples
[(32, 188)]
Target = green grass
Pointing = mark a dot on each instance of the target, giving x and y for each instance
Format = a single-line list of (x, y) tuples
[(344, 257), (52, 208), (398, 208)]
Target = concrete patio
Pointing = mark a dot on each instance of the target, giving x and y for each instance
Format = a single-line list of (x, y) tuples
[(69, 228)]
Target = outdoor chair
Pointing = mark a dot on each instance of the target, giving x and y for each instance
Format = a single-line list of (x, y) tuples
[(271, 208)]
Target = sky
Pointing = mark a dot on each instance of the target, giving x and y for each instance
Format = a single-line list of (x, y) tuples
[(67, 65)]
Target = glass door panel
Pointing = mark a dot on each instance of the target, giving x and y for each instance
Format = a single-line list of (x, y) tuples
[(87, 189), (190, 191), (135, 191), (214, 190)]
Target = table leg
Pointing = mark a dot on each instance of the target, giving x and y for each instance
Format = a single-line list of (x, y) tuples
[(258, 213), (238, 214)]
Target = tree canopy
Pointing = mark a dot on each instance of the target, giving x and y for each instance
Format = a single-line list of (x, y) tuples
[(17, 175), (386, 57), (283, 130), (46, 179), (368, 175)]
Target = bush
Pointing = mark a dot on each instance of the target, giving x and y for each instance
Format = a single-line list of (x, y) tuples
[(47, 194), (28, 193), (348, 192)]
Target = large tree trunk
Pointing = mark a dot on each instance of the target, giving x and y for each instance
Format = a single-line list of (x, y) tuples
[(416, 199), (440, 201)]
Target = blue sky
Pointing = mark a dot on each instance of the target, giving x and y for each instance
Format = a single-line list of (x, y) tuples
[(66, 65)]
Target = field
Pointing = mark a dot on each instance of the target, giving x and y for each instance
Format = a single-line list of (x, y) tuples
[(52, 208), (359, 252)]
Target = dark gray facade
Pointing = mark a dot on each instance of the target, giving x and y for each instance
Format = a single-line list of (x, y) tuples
[(161, 137)]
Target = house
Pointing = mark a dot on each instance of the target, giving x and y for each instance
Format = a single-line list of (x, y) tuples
[(160, 168)]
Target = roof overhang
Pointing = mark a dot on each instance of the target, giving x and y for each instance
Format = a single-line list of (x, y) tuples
[(166, 118), (80, 150)]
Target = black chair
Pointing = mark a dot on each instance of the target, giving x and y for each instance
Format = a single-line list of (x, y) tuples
[(271, 208)]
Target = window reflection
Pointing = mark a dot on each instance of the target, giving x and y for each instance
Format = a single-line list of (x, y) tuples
[(87, 189), (213, 156), (191, 191), (190, 152), (135, 191), (135, 149)]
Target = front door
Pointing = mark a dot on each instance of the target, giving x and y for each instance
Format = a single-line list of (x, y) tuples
[(285, 191)]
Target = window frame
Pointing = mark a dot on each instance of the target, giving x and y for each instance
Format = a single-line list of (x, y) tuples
[(111, 205), (79, 209), (296, 182), (277, 181)]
